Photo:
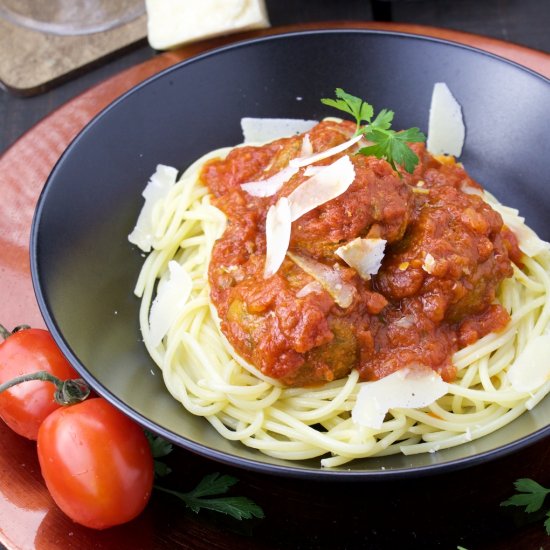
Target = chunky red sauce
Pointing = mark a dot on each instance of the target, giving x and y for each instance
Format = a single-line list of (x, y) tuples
[(412, 312)]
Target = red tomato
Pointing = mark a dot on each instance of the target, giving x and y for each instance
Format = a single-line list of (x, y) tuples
[(96, 463), (25, 406)]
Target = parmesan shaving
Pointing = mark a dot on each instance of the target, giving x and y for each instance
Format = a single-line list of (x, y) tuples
[(172, 295), (330, 278), (158, 187), (471, 190), (263, 130), (364, 255), (325, 185), (404, 389), (311, 288), (528, 241), (429, 263), (446, 129), (307, 147), (299, 162), (312, 170), (531, 369), (277, 232), (269, 186)]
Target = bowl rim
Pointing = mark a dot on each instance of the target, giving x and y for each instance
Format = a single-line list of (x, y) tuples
[(293, 470)]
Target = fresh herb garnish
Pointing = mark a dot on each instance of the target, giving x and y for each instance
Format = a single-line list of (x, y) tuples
[(203, 496), (386, 143), (530, 495), (159, 449)]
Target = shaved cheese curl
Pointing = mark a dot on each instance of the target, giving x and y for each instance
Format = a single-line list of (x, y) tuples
[(172, 295), (299, 162), (262, 130), (330, 278), (327, 184), (269, 186), (157, 189), (532, 368), (364, 255), (307, 147), (528, 241), (446, 130), (277, 232), (408, 388)]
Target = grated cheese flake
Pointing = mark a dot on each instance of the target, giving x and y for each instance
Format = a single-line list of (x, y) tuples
[(263, 130), (300, 162), (407, 388), (158, 187), (446, 130), (429, 263), (330, 278), (314, 287), (277, 232), (172, 295), (531, 369), (364, 255), (269, 186), (325, 185), (528, 241)]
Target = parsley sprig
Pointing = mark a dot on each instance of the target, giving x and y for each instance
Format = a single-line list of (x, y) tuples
[(386, 143), (159, 449), (206, 494), (530, 495), (203, 496)]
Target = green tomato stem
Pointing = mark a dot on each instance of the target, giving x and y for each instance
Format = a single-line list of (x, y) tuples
[(5, 333), (67, 392)]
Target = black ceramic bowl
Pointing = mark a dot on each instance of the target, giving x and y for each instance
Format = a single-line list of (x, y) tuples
[(84, 269)]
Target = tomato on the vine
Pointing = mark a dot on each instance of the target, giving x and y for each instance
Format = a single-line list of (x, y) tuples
[(24, 407), (96, 462)]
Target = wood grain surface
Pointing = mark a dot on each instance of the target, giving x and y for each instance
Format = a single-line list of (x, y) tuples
[(444, 511)]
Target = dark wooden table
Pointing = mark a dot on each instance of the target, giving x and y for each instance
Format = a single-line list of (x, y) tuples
[(460, 508)]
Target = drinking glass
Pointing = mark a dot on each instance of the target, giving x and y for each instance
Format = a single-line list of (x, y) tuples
[(71, 17)]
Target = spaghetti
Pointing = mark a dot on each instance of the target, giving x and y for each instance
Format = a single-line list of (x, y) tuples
[(204, 372)]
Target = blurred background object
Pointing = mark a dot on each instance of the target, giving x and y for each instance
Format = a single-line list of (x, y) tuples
[(172, 23), (71, 17)]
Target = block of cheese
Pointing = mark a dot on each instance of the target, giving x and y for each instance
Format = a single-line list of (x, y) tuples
[(172, 23)]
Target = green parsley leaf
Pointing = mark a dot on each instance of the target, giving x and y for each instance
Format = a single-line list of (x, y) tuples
[(387, 144), (383, 120), (216, 484), (159, 448), (236, 507), (412, 135), (531, 496), (355, 106), (161, 469), (213, 484)]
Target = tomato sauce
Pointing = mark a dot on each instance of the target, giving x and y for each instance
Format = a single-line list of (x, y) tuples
[(446, 254)]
